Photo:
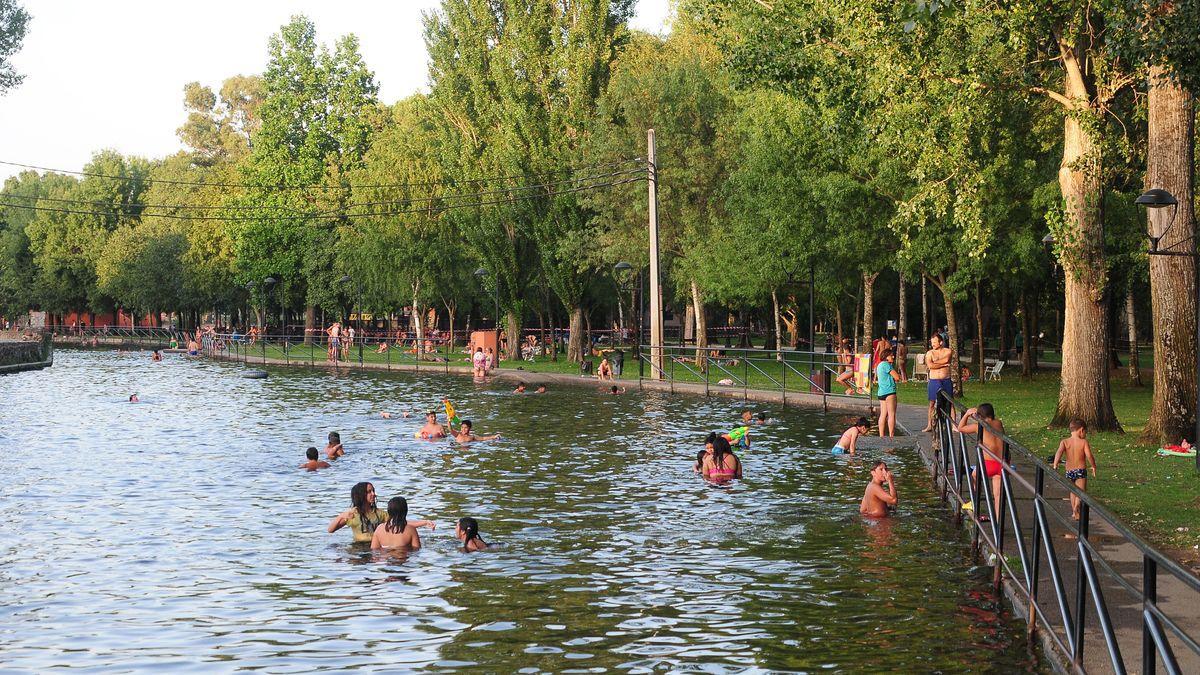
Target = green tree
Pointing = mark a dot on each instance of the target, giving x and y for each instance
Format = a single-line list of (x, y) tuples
[(14, 22), (220, 129)]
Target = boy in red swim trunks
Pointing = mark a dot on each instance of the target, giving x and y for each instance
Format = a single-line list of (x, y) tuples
[(992, 444), (1079, 456)]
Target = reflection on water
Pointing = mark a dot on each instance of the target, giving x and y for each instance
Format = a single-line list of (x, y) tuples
[(178, 533)]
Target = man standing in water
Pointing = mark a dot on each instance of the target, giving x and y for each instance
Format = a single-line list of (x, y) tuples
[(877, 501), (937, 360)]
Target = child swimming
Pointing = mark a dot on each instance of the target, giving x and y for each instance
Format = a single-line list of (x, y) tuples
[(464, 434), (876, 501), (334, 449), (314, 462), (467, 531), (848, 443), (396, 531)]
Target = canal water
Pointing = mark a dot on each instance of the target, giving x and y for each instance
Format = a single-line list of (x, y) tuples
[(178, 534)]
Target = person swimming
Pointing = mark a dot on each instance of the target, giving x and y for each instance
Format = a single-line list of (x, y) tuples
[(387, 415), (396, 531), (876, 501), (314, 462), (467, 531), (334, 449), (362, 517), (432, 430), (614, 390), (520, 388), (156, 356), (848, 443), (464, 434), (720, 465), (133, 398), (541, 389)]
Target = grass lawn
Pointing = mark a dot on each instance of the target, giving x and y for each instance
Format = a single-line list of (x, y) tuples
[(1157, 496)]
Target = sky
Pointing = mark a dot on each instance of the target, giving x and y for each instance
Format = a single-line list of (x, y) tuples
[(110, 75)]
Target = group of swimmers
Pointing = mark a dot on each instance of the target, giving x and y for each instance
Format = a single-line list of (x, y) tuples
[(391, 529)]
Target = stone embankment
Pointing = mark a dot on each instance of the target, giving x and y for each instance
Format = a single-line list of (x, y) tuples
[(17, 355)]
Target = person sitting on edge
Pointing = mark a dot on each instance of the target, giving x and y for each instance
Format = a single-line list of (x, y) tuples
[(396, 531), (432, 430), (877, 501), (464, 434), (334, 448), (848, 443), (1079, 456), (134, 399), (520, 388), (991, 442), (937, 360), (720, 465), (363, 517), (466, 530), (314, 462)]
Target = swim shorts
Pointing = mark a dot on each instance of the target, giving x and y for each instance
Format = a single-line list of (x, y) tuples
[(838, 450), (934, 386), (992, 468), (1076, 474)]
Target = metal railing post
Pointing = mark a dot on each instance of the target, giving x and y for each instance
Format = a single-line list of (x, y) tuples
[(1039, 483), (1080, 592), (1001, 498), (1150, 597)]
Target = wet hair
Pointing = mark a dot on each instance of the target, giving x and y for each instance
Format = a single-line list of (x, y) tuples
[(358, 497), (1077, 424), (520, 385), (711, 437), (467, 424), (397, 515), (132, 396), (862, 422), (762, 417), (878, 463), (614, 389), (986, 411), (334, 438), (311, 453), (470, 528), (720, 449)]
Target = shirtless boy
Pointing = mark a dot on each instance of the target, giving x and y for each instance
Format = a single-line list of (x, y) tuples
[(994, 445), (520, 388), (1079, 456), (877, 500), (464, 434), (432, 430), (848, 443), (937, 360), (313, 462)]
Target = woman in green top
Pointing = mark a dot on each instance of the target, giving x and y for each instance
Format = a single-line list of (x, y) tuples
[(362, 517), (885, 375)]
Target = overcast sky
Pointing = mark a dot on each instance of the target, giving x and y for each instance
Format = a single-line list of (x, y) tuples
[(111, 74)]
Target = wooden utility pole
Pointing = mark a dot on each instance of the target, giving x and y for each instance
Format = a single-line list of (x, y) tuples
[(656, 316)]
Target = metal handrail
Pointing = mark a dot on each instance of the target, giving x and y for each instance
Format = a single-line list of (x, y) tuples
[(952, 456)]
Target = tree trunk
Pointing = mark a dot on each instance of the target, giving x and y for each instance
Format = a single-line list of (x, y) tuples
[(1084, 392), (868, 309), (701, 326), (1135, 369), (980, 345), (1004, 323), (576, 341), (310, 323), (1170, 165), (857, 310), (924, 310), (418, 323), (689, 324), (778, 323), (450, 311), (841, 329), (902, 320), (1027, 333), (513, 353), (952, 328)]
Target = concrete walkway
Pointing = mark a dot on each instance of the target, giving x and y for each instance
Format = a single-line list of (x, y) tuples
[(1176, 599)]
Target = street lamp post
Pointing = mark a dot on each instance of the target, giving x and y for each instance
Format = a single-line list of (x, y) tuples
[(481, 274), (1155, 199)]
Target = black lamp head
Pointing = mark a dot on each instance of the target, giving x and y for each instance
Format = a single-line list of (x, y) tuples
[(481, 272), (622, 266), (1156, 198)]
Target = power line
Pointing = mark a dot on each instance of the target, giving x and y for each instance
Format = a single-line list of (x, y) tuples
[(319, 186), (335, 214), (143, 209)]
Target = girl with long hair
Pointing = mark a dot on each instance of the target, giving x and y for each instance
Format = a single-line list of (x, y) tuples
[(467, 531), (397, 532)]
